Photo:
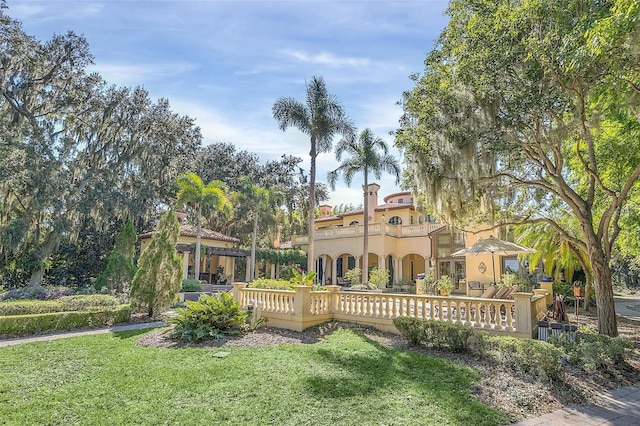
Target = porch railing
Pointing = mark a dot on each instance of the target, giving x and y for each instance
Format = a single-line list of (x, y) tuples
[(302, 308)]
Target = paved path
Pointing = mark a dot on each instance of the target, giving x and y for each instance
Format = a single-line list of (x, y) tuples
[(620, 407), (63, 334)]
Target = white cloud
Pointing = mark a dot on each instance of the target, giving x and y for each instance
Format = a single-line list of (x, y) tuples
[(132, 74), (326, 59)]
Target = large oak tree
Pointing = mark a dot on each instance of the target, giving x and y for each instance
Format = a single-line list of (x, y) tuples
[(530, 108)]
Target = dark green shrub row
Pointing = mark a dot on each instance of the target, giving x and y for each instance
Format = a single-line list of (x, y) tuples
[(528, 357), (439, 334), (209, 317), (25, 324), (64, 304)]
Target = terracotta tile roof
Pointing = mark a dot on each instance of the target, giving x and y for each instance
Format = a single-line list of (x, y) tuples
[(191, 231)]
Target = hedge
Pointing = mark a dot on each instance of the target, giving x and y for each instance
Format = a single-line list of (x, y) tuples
[(24, 324), (64, 304)]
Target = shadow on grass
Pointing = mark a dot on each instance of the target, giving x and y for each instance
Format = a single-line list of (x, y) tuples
[(127, 334), (438, 385)]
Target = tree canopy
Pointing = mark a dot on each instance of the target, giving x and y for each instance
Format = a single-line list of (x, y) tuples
[(526, 111)]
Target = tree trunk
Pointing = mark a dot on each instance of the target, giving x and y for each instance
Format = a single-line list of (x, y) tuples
[(196, 266), (312, 206), (252, 267), (43, 252), (365, 233), (607, 321)]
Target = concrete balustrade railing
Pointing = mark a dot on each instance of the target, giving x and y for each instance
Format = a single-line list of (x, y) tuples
[(303, 308)]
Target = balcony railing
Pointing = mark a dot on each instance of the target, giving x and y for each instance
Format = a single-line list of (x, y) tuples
[(375, 229)]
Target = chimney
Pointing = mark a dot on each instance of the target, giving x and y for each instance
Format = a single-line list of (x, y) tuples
[(372, 198), (325, 211)]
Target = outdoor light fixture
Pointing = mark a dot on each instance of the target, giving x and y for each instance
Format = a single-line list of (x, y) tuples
[(482, 268)]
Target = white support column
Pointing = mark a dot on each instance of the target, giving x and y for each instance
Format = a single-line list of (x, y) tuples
[(334, 271), (185, 264), (273, 271), (400, 272), (394, 261), (324, 269), (426, 265)]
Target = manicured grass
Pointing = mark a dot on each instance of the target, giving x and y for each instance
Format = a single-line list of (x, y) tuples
[(343, 380)]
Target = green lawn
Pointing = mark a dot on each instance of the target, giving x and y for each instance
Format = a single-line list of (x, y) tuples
[(343, 380)]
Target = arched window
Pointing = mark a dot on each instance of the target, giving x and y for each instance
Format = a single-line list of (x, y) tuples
[(395, 220), (354, 222)]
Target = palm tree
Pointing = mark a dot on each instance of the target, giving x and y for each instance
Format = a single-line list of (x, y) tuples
[(366, 158), (193, 192), (265, 203), (321, 118)]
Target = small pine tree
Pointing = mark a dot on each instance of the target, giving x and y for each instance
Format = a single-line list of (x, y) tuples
[(120, 268), (159, 276)]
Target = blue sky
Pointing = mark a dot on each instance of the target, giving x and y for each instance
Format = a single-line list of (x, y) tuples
[(224, 63)]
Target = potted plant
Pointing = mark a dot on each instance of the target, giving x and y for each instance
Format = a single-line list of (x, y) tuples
[(445, 285), (578, 290)]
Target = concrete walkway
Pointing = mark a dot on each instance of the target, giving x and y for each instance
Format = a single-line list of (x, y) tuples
[(64, 334), (620, 407)]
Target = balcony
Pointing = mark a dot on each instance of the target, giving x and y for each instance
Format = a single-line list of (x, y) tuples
[(396, 231)]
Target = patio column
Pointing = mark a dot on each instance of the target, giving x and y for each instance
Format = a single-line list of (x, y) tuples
[(273, 271), (426, 265), (400, 272), (247, 272), (232, 275), (324, 269), (334, 271), (185, 264)]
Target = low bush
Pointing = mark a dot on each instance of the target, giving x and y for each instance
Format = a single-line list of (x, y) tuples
[(189, 284), (266, 283), (25, 324), (530, 358), (594, 351), (524, 356), (210, 317), (441, 335), (64, 304), (37, 292)]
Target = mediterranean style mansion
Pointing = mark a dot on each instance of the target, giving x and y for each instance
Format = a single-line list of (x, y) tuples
[(402, 240)]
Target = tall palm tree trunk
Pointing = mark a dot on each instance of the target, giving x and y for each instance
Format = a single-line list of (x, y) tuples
[(196, 266), (312, 206), (365, 232), (252, 267)]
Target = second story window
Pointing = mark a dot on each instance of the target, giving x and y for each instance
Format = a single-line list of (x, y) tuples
[(395, 220), (354, 222)]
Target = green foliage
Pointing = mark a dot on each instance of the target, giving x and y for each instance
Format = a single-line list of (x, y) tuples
[(282, 257), (120, 269), (286, 272), (378, 278), (354, 275), (25, 324), (595, 351), (531, 358), (63, 304), (159, 277), (266, 283), (210, 317), (303, 279), (441, 335), (189, 284), (445, 284)]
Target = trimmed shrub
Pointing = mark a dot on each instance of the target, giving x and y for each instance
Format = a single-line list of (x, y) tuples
[(25, 324), (64, 304), (189, 284), (210, 317), (531, 358), (269, 284), (441, 335)]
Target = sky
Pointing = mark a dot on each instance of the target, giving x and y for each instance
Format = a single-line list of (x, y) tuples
[(224, 63)]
